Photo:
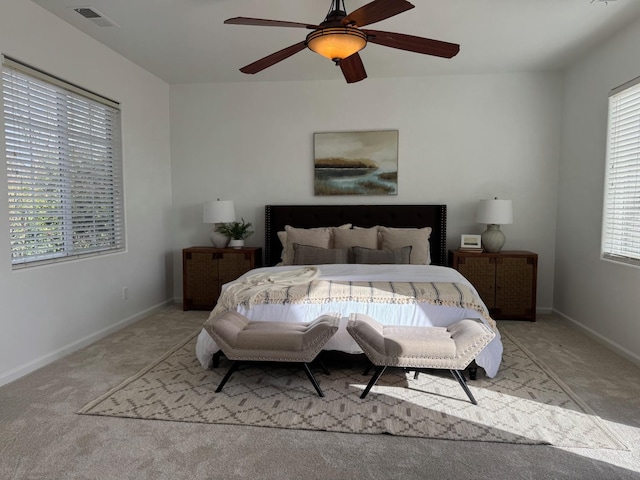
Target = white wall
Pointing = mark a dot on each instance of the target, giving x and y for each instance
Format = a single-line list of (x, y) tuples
[(601, 296), (48, 311), (462, 138)]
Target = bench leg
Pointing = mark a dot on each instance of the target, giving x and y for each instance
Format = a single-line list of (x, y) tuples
[(473, 370), (377, 374), (312, 378), (325, 370), (463, 383), (233, 368), (368, 369), (215, 360)]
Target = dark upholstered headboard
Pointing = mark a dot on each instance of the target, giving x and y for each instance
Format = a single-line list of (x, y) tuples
[(399, 216)]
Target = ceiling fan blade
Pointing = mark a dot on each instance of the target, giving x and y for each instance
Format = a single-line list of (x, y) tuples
[(353, 69), (274, 58), (261, 22), (410, 43), (376, 11)]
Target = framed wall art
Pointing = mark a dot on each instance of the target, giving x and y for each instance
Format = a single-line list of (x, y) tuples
[(356, 163)]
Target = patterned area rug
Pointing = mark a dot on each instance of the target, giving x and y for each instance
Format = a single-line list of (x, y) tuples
[(525, 403)]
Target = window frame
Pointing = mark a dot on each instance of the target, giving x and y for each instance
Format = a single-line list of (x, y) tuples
[(620, 242), (64, 167)]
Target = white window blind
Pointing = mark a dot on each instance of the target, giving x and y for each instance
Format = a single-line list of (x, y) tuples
[(621, 215), (64, 168)]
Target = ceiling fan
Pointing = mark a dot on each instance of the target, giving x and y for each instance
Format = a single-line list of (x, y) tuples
[(340, 37)]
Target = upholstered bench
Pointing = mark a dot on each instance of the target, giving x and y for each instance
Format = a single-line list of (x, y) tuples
[(418, 348), (242, 340)]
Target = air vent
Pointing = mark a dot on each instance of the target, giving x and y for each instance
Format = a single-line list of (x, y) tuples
[(95, 16)]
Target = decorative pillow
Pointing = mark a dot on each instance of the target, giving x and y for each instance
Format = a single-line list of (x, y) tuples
[(307, 255), (359, 237), (418, 238), (305, 236), (285, 258), (282, 236), (374, 256), (315, 237)]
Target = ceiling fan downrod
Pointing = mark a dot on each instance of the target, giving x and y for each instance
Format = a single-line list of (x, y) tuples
[(335, 40), (337, 12)]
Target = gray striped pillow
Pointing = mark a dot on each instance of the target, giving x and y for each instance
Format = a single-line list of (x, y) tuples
[(373, 256), (309, 255)]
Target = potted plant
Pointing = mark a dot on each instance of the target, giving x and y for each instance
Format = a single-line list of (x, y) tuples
[(236, 231)]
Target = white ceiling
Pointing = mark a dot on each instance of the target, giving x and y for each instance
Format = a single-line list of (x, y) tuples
[(185, 41)]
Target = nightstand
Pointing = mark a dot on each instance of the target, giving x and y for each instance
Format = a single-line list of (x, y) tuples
[(206, 269), (506, 281)]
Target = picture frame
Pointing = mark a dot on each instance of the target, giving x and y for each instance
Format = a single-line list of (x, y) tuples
[(356, 163), (470, 242)]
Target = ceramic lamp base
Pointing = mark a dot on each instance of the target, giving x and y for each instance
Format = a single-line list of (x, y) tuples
[(218, 240), (493, 239)]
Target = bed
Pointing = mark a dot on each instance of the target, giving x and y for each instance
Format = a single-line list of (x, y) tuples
[(398, 284)]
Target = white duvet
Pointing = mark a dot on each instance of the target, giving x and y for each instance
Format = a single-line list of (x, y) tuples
[(424, 314)]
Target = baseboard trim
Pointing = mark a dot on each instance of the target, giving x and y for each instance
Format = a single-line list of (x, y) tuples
[(21, 371), (619, 349)]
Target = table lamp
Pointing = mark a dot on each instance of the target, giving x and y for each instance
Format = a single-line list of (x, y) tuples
[(217, 212), (494, 213)]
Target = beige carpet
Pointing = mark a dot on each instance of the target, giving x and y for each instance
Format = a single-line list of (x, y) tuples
[(524, 404)]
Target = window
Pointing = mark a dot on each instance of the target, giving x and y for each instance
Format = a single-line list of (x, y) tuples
[(64, 168), (621, 216)]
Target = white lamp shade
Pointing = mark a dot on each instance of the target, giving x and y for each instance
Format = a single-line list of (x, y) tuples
[(219, 211), (499, 212)]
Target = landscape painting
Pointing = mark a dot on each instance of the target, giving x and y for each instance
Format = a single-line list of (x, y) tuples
[(356, 163)]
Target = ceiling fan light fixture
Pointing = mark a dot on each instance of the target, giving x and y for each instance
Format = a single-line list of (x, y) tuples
[(336, 43)]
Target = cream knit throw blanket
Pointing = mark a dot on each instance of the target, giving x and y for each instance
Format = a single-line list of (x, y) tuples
[(249, 288), (301, 287)]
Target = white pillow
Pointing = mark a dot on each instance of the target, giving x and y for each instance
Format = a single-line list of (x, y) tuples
[(418, 238)]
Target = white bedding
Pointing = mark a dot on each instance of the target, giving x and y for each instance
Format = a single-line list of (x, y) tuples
[(391, 314)]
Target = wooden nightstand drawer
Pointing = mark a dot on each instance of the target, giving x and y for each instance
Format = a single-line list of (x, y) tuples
[(206, 269), (506, 281)]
